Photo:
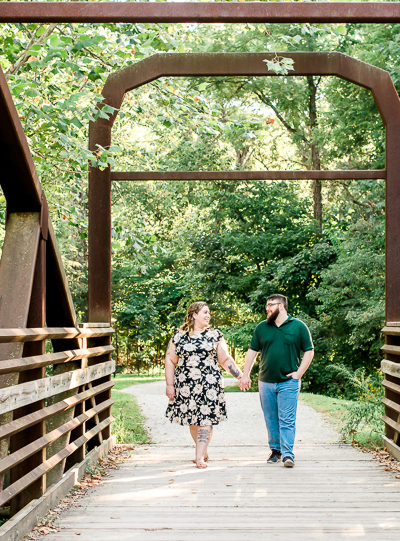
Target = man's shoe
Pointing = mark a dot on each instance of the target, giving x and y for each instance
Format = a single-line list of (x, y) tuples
[(274, 457), (288, 462)]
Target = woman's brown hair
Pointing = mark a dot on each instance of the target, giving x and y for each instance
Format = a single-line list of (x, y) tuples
[(188, 323)]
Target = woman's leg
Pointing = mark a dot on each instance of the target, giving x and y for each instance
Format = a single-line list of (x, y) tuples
[(204, 435), (193, 432)]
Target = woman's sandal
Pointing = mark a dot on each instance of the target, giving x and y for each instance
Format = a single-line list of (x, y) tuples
[(201, 464)]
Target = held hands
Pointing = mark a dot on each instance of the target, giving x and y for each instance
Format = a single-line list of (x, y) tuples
[(170, 392), (244, 383)]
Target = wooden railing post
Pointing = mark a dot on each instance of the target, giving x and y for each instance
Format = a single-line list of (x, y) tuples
[(106, 395)]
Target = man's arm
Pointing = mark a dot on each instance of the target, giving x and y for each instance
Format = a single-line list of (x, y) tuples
[(305, 363), (245, 381)]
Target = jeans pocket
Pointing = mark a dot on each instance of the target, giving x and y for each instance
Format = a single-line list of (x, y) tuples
[(296, 383)]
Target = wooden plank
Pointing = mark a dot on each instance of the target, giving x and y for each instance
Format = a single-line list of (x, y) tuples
[(50, 333), (41, 470), (25, 452), (393, 324), (28, 363), (391, 423), (390, 404), (96, 332), (394, 350), (393, 331), (92, 325), (17, 396), (25, 422), (393, 449), (34, 334), (391, 368), (392, 386)]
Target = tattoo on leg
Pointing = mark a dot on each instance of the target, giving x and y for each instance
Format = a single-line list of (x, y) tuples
[(234, 371), (203, 434)]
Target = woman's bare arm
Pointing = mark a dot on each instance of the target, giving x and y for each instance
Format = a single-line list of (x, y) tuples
[(171, 358), (226, 361)]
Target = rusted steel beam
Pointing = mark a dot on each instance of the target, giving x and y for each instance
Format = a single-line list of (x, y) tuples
[(246, 175), (18, 178), (235, 64), (201, 12)]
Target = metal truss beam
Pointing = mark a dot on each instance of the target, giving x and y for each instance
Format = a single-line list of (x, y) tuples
[(200, 12), (246, 175)]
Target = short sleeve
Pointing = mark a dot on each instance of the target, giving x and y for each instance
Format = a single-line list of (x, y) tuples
[(177, 336), (218, 335), (306, 340), (255, 344)]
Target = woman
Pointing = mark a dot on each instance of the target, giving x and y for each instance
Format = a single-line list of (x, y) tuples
[(194, 379)]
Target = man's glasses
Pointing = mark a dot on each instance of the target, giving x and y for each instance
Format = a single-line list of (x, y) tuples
[(272, 304)]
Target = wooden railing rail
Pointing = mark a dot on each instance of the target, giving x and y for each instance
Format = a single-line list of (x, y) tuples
[(22, 423), (17, 396), (29, 363), (35, 334)]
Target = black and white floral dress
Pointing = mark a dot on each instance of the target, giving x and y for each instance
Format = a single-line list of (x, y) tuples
[(199, 391)]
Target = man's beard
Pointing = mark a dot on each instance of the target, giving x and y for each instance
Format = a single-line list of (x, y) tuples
[(272, 317)]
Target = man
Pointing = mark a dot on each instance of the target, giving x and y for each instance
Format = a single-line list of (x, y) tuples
[(280, 339)]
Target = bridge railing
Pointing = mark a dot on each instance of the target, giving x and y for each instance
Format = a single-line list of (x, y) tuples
[(56, 416), (55, 398), (391, 368)]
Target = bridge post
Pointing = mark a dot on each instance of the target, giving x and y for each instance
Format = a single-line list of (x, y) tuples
[(99, 304)]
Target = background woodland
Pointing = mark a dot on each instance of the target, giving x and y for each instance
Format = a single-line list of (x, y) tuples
[(228, 243)]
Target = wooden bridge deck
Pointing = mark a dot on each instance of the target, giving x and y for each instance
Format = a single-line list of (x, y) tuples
[(334, 492)]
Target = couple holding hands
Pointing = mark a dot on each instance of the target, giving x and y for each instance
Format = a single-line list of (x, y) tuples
[(195, 382)]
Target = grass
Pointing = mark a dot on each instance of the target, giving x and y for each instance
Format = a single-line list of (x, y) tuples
[(128, 425), (334, 409), (232, 389), (125, 380), (337, 411)]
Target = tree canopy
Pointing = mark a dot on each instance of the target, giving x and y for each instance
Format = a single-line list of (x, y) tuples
[(229, 243)]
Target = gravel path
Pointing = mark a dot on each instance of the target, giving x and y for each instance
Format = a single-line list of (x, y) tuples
[(245, 425)]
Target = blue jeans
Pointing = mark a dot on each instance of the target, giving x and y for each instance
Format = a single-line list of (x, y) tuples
[(279, 405)]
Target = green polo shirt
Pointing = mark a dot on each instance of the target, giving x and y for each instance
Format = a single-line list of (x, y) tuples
[(280, 348)]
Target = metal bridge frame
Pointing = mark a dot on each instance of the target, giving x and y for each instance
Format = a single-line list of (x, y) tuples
[(378, 81)]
